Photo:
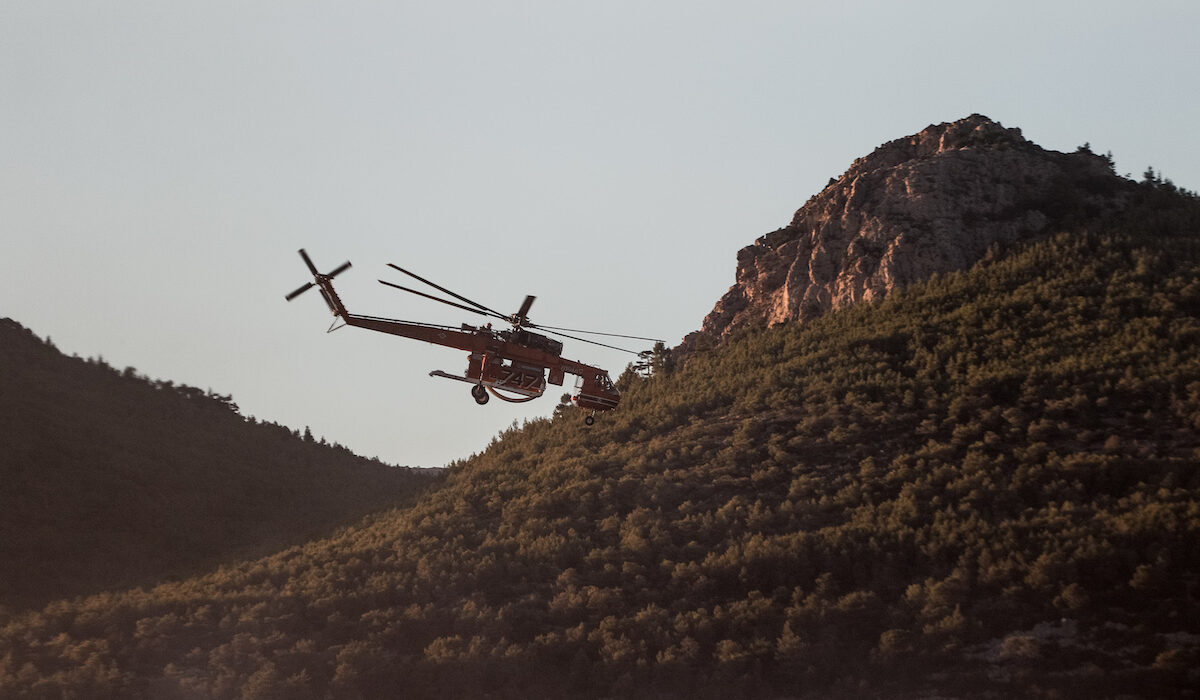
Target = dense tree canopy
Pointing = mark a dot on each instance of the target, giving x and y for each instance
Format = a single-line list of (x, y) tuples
[(985, 484)]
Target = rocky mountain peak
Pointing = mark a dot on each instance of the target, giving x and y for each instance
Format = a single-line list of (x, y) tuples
[(924, 204)]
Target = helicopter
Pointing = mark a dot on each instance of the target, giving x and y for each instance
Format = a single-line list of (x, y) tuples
[(514, 365)]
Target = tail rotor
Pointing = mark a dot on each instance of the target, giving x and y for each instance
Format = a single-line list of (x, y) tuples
[(324, 283)]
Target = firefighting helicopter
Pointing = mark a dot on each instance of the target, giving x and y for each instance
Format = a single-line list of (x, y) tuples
[(512, 365)]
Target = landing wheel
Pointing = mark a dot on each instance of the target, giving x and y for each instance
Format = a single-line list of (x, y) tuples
[(480, 394), (588, 420)]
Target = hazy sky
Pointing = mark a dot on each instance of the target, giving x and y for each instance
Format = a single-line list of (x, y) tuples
[(161, 163)]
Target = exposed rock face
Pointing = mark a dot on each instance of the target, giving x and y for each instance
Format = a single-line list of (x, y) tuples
[(924, 204)]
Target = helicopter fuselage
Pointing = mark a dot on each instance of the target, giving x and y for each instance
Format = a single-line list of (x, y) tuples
[(518, 361)]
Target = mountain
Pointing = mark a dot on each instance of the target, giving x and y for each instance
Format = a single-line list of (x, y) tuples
[(918, 206), (982, 485), (112, 480)]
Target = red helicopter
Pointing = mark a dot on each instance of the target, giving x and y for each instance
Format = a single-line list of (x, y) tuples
[(512, 365)]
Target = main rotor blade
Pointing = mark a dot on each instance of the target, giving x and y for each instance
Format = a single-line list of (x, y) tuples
[(430, 296), (299, 291), (308, 261), (611, 335), (585, 340), (440, 288), (522, 315), (342, 268)]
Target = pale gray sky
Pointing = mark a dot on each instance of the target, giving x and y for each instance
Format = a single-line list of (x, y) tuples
[(161, 162)]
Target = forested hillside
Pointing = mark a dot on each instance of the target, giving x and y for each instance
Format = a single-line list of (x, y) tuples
[(109, 479), (983, 486)]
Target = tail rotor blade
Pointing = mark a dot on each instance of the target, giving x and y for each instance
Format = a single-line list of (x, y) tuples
[(299, 291), (342, 268), (308, 261)]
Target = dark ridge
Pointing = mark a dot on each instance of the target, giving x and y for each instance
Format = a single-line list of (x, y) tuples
[(112, 480)]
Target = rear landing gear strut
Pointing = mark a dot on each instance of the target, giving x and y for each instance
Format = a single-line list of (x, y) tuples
[(480, 394)]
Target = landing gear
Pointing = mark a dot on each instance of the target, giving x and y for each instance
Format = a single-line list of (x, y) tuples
[(480, 394), (588, 420)]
